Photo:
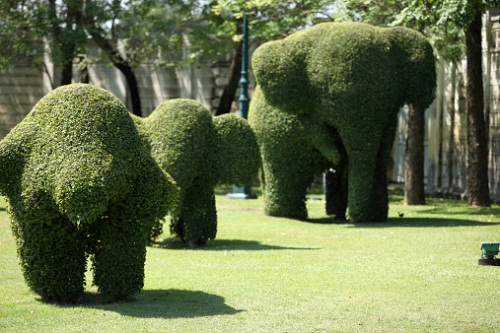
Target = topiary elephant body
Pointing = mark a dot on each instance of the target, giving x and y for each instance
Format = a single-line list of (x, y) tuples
[(80, 181), (200, 151), (341, 85)]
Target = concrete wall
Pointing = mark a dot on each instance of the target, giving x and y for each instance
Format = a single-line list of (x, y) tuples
[(22, 86), (20, 89)]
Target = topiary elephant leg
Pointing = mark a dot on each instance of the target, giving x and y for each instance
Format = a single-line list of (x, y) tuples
[(361, 178), (288, 159), (336, 192), (52, 257), (379, 204), (196, 222), (285, 188), (120, 255)]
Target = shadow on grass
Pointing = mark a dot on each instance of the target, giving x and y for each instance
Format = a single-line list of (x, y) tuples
[(444, 210), (408, 222), (325, 220), (3, 209), (226, 245), (423, 223), (165, 304), (426, 223)]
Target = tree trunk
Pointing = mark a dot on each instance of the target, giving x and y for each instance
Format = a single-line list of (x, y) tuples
[(120, 63), (132, 85), (414, 158), (228, 95), (442, 102), (67, 70), (451, 142), (67, 38), (477, 157), (84, 74), (62, 46)]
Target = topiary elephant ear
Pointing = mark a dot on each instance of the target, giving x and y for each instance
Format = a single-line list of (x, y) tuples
[(239, 156), (280, 69)]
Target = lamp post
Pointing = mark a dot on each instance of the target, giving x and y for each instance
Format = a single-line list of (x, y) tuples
[(244, 100), (243, 192)]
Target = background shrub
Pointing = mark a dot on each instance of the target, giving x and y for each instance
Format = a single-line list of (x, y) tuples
[(289, 160), (199, 152), (238, 152)]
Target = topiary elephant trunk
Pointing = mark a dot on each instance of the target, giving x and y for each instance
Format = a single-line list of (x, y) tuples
[(341, 85)]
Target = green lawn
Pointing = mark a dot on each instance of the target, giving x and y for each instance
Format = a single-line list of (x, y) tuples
[(418, 273)]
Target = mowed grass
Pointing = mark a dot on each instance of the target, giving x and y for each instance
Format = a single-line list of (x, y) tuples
[(417, 273)]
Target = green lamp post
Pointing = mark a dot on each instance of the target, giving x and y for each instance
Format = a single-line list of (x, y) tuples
[(243, 192), (244, 100)]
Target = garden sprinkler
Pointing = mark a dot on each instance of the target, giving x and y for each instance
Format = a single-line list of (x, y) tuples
[(489, 252)]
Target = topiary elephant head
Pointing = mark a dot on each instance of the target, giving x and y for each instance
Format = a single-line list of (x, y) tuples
[(343, 85), (200, 151), (80, 181)]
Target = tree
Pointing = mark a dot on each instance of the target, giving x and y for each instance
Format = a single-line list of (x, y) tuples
[(467, 15), (268, 20), (165, 32), (477, 142), (129, 32), (68, 34), (379, 13), (16, 36), (384, 13), (229, 92), (26, 24), (414, 192), (96, 18)]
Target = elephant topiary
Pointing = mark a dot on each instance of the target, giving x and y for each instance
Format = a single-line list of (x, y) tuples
[(334, 90), (80, 181), (200, 151)]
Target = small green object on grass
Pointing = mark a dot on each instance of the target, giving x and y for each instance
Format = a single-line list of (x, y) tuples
[(489, 249)]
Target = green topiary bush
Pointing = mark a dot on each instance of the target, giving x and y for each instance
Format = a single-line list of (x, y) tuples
[(199, 152), (238, 158), (289, 160), (342, 85), (80, 181)]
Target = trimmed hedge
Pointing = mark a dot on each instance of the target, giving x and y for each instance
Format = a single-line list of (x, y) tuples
[(289, 160), (344, 84), (238, 158), (199, 152), (80, 181)]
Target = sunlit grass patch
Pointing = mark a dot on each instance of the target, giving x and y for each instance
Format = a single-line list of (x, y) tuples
[(416, 273)]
